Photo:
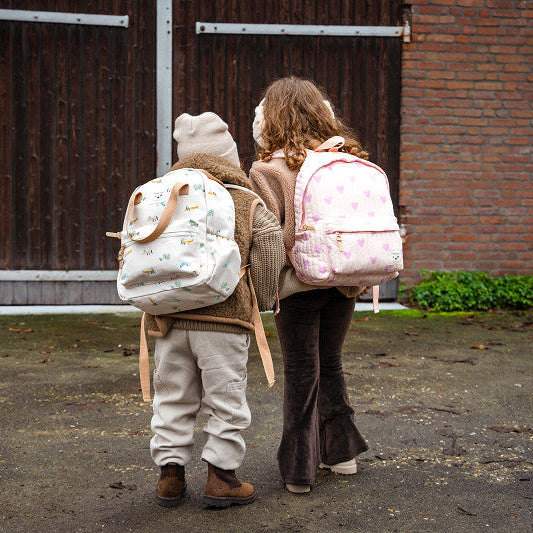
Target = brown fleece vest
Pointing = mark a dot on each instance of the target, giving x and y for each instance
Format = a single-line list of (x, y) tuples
[(239, 304)]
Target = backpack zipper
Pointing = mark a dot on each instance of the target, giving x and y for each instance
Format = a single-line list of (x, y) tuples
[(339, 242)]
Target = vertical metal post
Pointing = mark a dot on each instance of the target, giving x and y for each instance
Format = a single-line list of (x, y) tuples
[(164, 86)]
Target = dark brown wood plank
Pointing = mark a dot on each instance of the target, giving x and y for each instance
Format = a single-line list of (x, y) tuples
[(118, 140), (88, 187), (145, 101), (61, 241), (7, 140), (130, 118), (20, 156), (102, 128), (76, 136), (34, 147), (355, 118)]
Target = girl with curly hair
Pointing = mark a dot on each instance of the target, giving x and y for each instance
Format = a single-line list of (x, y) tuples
[(318, 420)]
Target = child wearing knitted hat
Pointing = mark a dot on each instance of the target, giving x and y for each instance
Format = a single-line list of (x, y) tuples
[(201, 355)]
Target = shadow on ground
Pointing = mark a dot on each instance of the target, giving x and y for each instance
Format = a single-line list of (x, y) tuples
[(445, 402)]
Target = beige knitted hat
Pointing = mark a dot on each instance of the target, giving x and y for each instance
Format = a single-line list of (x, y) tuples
[(206, 133)]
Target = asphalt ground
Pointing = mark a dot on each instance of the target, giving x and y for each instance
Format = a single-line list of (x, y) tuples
[(444, 400)]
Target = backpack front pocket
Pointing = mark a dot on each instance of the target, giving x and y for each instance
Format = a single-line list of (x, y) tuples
[(372, 255), (179, 255)]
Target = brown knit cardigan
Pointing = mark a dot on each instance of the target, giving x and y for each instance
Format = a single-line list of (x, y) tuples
[(259, 237), (276, 183)]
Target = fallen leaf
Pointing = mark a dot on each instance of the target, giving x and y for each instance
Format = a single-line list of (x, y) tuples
[(521, 325), (464, 511), (381, 365), (140, 433), (505, 429), (44, 361), (120, 485), (503, 460), (375, 412), (465, 361), (440, 409), (365, 319), (407, 409), (479, 347)]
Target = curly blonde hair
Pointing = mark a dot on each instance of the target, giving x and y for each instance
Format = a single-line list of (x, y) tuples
[(297, 118)]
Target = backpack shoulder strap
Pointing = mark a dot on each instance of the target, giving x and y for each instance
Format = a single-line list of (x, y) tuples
[(231, 186), (260, 337), (144, 363)]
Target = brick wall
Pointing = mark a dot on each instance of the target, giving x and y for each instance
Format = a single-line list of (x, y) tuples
[(466, 173)]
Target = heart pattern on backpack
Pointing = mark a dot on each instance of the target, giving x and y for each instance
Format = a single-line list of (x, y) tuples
[(351, 235)]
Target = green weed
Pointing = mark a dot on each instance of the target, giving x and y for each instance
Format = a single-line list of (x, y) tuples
[(472, 291)]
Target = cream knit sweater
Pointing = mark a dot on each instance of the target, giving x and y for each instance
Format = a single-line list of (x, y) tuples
[(275, 183)]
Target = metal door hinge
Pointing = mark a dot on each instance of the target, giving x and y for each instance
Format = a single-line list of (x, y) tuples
[(303, 29)]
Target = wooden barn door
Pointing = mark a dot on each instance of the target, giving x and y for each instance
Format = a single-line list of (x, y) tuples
[(77, 134), (226, 73)]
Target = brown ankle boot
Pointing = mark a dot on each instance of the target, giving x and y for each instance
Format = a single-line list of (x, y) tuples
[(171, 485), (224, 489)]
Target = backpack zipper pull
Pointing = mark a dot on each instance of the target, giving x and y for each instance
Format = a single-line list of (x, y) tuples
[(121, 256), (339, 242)]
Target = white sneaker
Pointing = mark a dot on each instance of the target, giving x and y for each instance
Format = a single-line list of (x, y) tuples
[(348, 467), (298, 489)]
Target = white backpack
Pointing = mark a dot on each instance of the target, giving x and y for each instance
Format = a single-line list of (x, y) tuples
[(178, 251), (346, 231)]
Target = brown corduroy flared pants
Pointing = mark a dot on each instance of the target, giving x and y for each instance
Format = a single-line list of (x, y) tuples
[(318, 420)]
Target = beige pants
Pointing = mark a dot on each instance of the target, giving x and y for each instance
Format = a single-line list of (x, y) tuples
[(200, 370)]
